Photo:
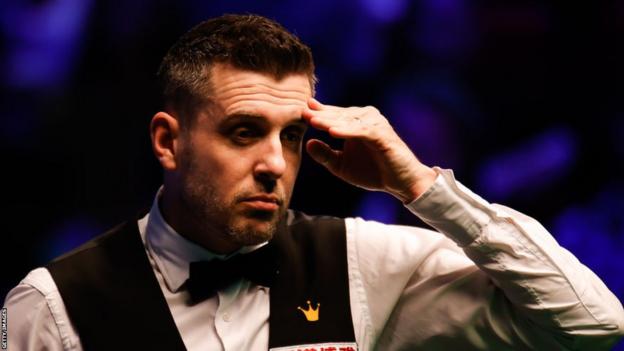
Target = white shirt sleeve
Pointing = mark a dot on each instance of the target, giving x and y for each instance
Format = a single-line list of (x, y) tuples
[(496, 280), (36, 316)]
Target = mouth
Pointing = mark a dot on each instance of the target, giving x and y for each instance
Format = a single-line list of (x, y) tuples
[(262, 202)]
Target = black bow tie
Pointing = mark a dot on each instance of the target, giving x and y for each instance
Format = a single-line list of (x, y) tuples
[(207, 277)]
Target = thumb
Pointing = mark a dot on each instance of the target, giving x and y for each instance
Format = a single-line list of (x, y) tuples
[(324, 154)]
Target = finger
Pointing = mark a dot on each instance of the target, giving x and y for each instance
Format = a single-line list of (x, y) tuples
[(343, 128), (324, 154), (348, 132), (324, 122), (337, 114), (314, 104), (309, 113)]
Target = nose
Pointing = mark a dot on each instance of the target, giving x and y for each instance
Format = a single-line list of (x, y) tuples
[(271, 164)]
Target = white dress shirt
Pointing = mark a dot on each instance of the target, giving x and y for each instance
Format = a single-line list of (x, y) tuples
[(492, 279)]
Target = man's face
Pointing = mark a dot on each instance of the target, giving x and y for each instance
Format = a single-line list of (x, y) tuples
[(239, 160)]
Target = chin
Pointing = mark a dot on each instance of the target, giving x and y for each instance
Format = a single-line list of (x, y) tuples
[(254, 230)]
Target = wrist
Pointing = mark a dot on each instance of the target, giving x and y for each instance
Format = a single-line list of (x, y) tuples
[(423, 180)]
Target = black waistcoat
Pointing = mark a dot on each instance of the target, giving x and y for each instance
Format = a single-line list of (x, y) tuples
[(114, 300)]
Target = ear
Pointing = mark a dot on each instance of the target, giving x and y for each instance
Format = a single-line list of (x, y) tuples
[(165, 133)]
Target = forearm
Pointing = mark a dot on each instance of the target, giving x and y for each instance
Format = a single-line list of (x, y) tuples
[(543, 281)]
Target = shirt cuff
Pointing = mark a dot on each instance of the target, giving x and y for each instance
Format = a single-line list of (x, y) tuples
[(453, 209)]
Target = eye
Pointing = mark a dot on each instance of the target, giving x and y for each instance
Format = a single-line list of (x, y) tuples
[(293, 134), (244, 134)]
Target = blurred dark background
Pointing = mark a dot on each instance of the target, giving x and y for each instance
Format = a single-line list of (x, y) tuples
[(522, 99)]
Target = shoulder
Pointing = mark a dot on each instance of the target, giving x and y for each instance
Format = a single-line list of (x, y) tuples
[(387, 261), (375, 238), (37, 316), (406, 239), (400, 253), (38, 284)]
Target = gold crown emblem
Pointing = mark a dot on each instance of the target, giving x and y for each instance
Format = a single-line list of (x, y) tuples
[(312, 315)]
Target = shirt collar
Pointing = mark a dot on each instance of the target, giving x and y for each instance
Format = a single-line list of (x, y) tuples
[(172, 252)]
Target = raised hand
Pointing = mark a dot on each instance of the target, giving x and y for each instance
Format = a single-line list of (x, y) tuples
[(374, 157)]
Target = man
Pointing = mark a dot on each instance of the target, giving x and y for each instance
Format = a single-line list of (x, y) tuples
[(238, 98)]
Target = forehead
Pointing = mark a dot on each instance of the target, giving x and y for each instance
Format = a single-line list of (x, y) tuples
[(238, 91)]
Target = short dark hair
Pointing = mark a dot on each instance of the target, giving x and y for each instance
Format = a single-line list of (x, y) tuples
[(248, 42)]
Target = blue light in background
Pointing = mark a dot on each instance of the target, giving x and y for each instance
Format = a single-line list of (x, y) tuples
[(530, 166), (594, 232), (378, 206), (427, 130), (331, 83), (69, 235), (362, 51), (42, 41), (385, 11), (445, 29)]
